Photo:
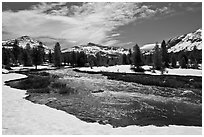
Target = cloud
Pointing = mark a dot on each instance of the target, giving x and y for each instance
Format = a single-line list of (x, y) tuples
[(76, 24), (115, 35)]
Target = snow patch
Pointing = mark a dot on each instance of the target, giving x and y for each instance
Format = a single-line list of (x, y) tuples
[(5, 71), (126, 69)]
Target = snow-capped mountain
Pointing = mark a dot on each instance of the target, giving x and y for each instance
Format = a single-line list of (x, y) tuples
[(147, 47), (23, 41), (92, 49), (184, 42)]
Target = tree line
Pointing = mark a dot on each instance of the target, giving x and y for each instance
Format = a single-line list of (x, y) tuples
[(29, 56), (159, 59)]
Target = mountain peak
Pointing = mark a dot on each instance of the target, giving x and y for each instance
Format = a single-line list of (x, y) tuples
[(93, 49), (183, 42), (187, 42), (23, 41)]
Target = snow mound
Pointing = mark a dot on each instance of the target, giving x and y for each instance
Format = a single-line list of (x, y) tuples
[(5, 71)]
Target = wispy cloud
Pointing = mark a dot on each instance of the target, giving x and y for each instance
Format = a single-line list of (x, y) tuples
[(78, 24), (115, 35)]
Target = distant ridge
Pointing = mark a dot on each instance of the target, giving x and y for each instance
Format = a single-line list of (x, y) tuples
[(184, 42)]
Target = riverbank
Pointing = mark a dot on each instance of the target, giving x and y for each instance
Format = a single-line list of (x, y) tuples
[(23, 117), (118, 103)]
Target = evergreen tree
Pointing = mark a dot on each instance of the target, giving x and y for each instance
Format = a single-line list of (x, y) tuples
[(57, 55), (26, 58), (90, 60), (164, 55), (26, 55), (183, 59), (27, 47), (183, 63), (16, 51), (50, 56), (81, 59), (137, 60), (78, 58), (149, 59), (173, 61), (157, 58), (20, 57), (129, 61), (5, 57), (124, 59), (194, 57), (37, 56), (42, 49), (73, 58), (98, 59)]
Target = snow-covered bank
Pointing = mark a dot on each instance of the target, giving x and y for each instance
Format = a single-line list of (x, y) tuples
[(23, 117), (32, 67), (5, 71), (126, 69)]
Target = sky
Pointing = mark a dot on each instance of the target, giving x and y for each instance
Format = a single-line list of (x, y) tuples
[(106, 23)]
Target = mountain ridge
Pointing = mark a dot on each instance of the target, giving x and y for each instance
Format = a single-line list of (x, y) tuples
[(185, 42)]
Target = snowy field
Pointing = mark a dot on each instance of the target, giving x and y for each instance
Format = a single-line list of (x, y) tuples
[(20, 116), (126, 69), (32, 67)]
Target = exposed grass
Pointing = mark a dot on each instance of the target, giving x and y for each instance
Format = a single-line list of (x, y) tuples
[(32, 82), (42, 82), (61, 86), (66, 90), (173, 81), (39, 90), (137, 69), (58, 84), (161, 80)]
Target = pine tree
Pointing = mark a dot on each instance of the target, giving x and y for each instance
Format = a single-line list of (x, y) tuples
[(183, 63), (194, 57), (136, 56), (149, 59), (173, 61), (164, 55), (50, 56), (129, 61), (28, 46), (73, 58), (26, 58), (37, 56), (82, 59), (5, 57), (42, 49), (16, 51), (157, 58), (90, 60), (124, 59), (57, 55), (98, 59), (183, 59)]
